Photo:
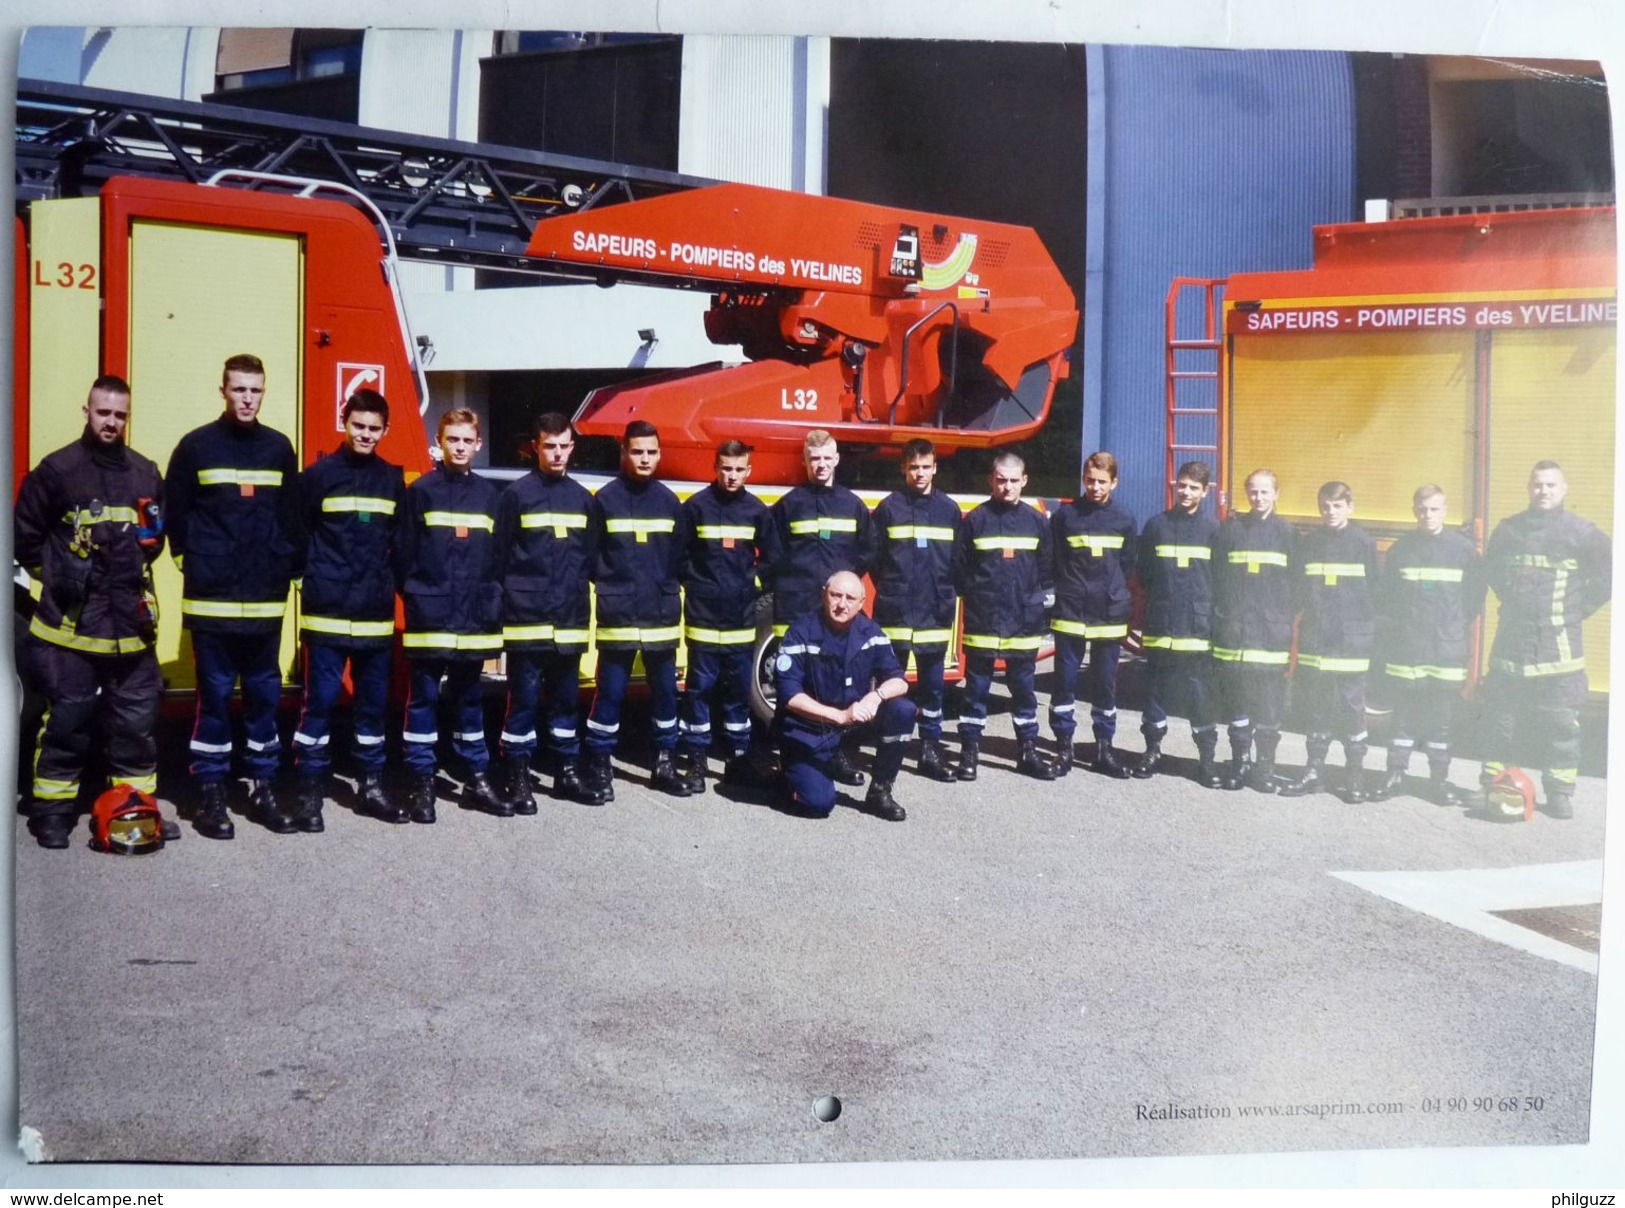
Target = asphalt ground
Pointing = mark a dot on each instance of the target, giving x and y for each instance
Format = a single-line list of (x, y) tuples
[(1082, 968)]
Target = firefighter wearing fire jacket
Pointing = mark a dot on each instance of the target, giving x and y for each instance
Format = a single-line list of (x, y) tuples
[(731, 540), (352, 502), (545, 549), (88, 523), (1551, 570), (838, 674), (914, 588), (1432, 589), (447, 574), (1003, 569), (1253, 594), (1093, 543), (641, 535), (1336, 571), (233, 519), (1175, 568)]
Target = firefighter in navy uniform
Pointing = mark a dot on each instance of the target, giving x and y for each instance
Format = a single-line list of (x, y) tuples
[(838, 674), (88, 524), (352, 502), (641, 537), (1253, 596), (1003, 569), (545, 550), (730, 541), (917, 528), (1432, 590), (448, 578), (1551, 570), (1092, 540), (1175, 566), (234, 529), (1336, 573)]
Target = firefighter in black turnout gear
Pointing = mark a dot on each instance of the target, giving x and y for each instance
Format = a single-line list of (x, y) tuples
[(916, 530), (1432, 590), (87, 526)]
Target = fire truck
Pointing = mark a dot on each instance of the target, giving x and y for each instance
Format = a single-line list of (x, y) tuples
[(157, 237)]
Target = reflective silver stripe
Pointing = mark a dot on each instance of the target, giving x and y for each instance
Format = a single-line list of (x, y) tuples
[(412, 736), (476, 736), (468, 520), (301, 739), (359, 503), (244, 478), (210, 748), (1265, 657), (273, 745), (601, 727), (368, 740), (530, 737), (879, 639), (809, 648)]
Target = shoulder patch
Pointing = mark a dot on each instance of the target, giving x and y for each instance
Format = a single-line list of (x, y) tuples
[(783, 662)]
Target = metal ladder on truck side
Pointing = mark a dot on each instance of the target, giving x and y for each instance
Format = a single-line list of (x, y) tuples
[(1195, 393)]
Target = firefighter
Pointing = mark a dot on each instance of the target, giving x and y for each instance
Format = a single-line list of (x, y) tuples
[(730, 542), (819, 528), (351, 501), (88, 524), (545, 549), (837, 675), (233, 501), (1550, 570), (1336, 571), (1093, 542), (1003, 570), (1432, 590), (447, 573), (1253, 597), (1175, 566), (640, 536), (916, 528)]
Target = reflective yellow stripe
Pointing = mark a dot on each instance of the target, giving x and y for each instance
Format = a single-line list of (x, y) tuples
[(908, 532), (553, 520), (1183, 554), (470, 520), (65, 636), (347, 628), (982, 641), (1560, 588), (919, 637), (1095, 542), (1543, 562), (1084, 629), (720, 532), (780, 630), (1325, 662), (527, 633), (144, 784), (720, 637), (1254, 558), (1271, 658), (1331, 572), (634, 633), (1006, 542), (358, 503), (453, 641), (639, 526), (1431, 574), (1564, 775), (234, 477), (260, 610), (824, 524), (1532, 669), (84, 516), (1181, 644), (55, 790), (1455, 675)]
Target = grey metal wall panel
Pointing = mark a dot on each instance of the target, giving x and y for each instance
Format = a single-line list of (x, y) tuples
[(1214, 162)]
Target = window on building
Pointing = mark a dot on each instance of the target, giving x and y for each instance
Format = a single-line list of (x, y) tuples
[(309, 72)]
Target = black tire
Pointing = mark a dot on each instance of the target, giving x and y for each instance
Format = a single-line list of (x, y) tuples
[(764, 681)]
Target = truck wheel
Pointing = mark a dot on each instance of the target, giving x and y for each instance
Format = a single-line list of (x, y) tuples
[(764, 680)]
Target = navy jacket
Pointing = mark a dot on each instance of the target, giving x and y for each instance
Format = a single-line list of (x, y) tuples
[(351, 509), (731, 539), (1337, 574), (446, 567), (1551, 570), (1254, 589), (639, 536), (820, 530), (1432, 588), (1093, 546), (1003, 570), (1175, 565), (835, 669), (545, 545), (913, 570)]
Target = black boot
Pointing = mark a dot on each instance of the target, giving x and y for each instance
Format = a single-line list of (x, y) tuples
[(932, 764), (841, 770), (1237, 774), (1207, 760), (970, 752), (520, 794), (264, 809), (51, 831), (879, 802), (480, 794), (212, 820), (1312, 780), (691, 767), (312, 797), (599, 779), (667, 779), (1559, 804), (420, 799), (1354, 790), (1030, 763), (1442, 792), (371, 800), (1150, 761), (1262, 779), (1106, 761), (741, 772), (1065, 754), (568, 784), (1393, 785)]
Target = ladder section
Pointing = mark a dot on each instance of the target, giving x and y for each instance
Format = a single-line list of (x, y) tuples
[(1193, 383), (453, 202)]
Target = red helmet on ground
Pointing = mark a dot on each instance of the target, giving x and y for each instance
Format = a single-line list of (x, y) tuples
[(1511, 795), (126, 822)]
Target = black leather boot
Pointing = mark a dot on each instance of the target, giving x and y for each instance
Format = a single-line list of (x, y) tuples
[(372, 801), (264, 809), (932, 764), (1354, 790), (480, 794), (691, 767), (970, 753), (520, 793), (879, 802), (1106, 761), (1065, 754), (1150, 761), (841, 770), (212, 820), (311, 800), (1207, 760), (667, 779), (1442, 792), (420, 799), (1237, 774), (1030, 763), (600, 779), (1312, 780), (1393, 785)]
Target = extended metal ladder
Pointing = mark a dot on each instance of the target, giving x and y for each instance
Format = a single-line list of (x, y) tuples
[(1194, 388)]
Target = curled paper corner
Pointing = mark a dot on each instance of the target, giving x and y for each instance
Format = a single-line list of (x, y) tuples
[(33, 1144)]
